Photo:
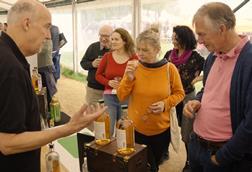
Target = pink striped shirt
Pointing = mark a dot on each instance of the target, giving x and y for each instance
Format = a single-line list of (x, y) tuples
[(213, 120)]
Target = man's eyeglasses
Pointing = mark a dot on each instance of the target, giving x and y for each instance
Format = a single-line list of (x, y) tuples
[(104, 35)]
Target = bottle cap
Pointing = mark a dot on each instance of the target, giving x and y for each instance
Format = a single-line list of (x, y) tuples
[(54, 99), (51, 145), (100, 101), (124, 106)]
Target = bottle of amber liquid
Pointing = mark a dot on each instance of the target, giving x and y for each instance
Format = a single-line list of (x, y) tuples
[(102, 128), (52, 160), (39, 79), (125, 136), (36, 80)]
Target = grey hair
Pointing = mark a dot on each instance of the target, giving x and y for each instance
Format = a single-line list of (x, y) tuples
[(218, 13), (151, 36), (20, 8)]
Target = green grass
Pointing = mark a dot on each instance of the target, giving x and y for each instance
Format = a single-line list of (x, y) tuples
[(72, 75)]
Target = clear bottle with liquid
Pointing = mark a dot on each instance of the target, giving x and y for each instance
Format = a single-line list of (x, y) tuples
[(52, 160), (102, 128), (84, 166), (125, 135)]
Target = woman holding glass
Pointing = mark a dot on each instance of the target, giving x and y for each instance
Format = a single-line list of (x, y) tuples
[(147, 85), (111, 70), (190, 64)]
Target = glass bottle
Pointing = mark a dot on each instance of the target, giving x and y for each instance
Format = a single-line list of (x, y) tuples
[(102, 128), (55, 109), (35, 80), (125, 135), (39, 79), (84, 165), (52, 160), (118, 79), (51, 121)]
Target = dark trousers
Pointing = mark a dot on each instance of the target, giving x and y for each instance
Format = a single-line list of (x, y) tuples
[(48, 81), (200, 159), (156, 146)]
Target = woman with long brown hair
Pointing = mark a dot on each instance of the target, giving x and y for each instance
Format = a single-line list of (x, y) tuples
[(111, 70)]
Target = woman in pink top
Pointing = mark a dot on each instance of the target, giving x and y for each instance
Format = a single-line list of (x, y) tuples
[(111, 70)]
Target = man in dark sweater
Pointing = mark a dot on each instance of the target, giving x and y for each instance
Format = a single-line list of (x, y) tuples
[(222, 137), (90, 62), (20, 137)]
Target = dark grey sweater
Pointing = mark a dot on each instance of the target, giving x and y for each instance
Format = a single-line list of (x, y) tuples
[(91, 54)]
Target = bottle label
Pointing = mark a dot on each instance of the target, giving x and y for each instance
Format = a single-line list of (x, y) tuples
[(99, 129), (121, 138), (39, 84), (56, 166)]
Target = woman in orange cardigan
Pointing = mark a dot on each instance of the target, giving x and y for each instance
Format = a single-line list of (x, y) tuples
[(147, 85)]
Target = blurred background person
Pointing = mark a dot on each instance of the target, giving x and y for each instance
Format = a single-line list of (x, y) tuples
[(45, 68), (190, 64), (1, 28), (55, 51), (147, 85), (5, 27), (111, 70), (90, 62)]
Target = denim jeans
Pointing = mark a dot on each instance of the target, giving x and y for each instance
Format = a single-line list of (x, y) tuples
[(56, 64), (200, 159), (114, 109)]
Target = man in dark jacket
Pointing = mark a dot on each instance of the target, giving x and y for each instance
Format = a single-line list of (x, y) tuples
[(55, 51), (222, 137), (91, 60), (20, 137)]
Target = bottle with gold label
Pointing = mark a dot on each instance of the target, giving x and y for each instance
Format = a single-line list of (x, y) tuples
[(55, 109), (52, 160), (102, 128), (125, 136)]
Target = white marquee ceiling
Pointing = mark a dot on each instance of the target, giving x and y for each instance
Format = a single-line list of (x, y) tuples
[(6, 4)]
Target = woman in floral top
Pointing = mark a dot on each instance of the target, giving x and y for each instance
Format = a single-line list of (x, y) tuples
[(189, 64)]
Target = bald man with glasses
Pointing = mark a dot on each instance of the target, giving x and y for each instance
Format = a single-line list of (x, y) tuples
[(91, 61)]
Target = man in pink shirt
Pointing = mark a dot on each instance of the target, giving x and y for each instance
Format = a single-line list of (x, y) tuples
[(222, 133)]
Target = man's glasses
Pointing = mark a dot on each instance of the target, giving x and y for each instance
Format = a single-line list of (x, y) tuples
[(104, 36)]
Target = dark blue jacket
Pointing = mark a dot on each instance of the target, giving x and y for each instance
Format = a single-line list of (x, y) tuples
[(240, 144)]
